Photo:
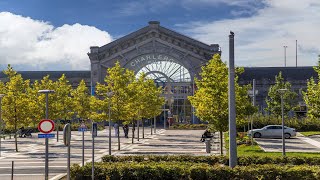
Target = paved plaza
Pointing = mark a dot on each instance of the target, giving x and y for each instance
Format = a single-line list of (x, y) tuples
[(29, 161)]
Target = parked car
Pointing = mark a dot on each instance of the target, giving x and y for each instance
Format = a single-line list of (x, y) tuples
[(272, 131)]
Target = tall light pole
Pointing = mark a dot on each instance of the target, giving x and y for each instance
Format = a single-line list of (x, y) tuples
[(285, 56), (232, 108), (46, 91), (109, 94), (282, 91), (1, 96)]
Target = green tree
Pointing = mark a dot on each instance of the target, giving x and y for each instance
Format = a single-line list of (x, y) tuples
[(117, 81), (273, 99), (81, 101), (63, 103), (15, 110), (312, 95), (211, 98), (145, 100), (35, 113)]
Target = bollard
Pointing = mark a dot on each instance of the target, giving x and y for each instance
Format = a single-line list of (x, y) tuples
[(208, 145), (12, 165)]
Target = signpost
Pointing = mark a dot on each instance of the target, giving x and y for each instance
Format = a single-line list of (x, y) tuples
[(82, 129), (94, 134), (66, 141), (46, 126)]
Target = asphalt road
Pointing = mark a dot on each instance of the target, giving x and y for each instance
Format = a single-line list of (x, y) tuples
[(296, 144)]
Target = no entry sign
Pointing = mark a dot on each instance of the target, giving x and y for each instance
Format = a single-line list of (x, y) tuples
[(46, 126)]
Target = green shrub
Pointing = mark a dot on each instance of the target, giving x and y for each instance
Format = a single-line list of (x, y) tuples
[(194, 171), (212, 160), (189, 126)]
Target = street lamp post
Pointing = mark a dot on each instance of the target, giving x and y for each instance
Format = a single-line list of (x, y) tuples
[(1, 96), (285, 56), (109, 94), (282, 91), (46, 91)]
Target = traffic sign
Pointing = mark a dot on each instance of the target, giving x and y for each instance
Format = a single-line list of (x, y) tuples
[(46, 126), (46, 135)]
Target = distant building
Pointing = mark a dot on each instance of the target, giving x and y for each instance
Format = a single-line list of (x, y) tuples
[(172, 60)]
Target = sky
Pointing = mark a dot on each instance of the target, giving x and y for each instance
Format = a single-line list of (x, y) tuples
[(57, 35)]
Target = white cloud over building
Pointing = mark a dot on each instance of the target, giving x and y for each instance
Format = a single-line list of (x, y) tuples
[(37, 44)]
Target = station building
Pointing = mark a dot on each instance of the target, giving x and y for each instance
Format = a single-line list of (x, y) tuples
[(173, 60)]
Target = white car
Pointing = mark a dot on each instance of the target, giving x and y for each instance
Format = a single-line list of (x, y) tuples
[(272, 131)]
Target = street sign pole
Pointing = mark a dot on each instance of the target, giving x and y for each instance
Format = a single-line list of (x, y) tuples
[(1, 95), (94, 133), (46, 171), (82, 148)]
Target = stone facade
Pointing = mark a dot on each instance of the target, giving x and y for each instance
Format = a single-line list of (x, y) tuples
[(150, 41)]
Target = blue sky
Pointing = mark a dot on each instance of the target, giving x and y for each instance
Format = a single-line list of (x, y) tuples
[(56, 35)]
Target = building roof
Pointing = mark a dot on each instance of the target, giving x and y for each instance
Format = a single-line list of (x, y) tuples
[(269, 73), (53, 74)]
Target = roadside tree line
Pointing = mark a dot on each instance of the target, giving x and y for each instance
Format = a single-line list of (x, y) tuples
[(211, 98), (130, 99)]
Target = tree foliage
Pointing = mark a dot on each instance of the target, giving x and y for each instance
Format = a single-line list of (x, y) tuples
[(273, 99), (81, 101), (211, 98), (15, 102), (312, 95)]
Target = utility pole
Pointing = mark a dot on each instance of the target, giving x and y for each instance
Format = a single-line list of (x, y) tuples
[(232, 108), (296, 53), (285, 56), (254, 104)]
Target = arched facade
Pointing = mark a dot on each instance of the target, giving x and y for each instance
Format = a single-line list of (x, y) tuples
[(170, 58)]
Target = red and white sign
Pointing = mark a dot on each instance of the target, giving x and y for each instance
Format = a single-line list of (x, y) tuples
[(46, 126)]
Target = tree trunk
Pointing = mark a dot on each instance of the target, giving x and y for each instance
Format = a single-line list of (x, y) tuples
[(133, 129), (15, 137), (151, 125), (138, 124), (142, 129), (15, 130), (221, 143), (118, 136)]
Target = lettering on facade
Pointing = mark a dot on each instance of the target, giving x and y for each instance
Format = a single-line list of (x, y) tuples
[(150, 59)]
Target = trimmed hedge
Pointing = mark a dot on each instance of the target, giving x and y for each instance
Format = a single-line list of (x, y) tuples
[(194, 171), (211, 160), (189, 126), (305, 124)]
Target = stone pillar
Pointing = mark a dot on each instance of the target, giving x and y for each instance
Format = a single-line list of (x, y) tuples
[(95, 67)]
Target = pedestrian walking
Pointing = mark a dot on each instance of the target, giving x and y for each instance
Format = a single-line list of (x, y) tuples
[(126, 130)]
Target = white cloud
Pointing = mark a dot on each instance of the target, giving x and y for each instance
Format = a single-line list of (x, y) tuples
[(259, 39), (38, 44)]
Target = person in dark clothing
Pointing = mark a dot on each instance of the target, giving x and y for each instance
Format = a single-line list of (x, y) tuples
[(205, 135), (126, 130)]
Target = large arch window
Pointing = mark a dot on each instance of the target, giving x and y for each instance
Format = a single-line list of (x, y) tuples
[(164, 71)]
